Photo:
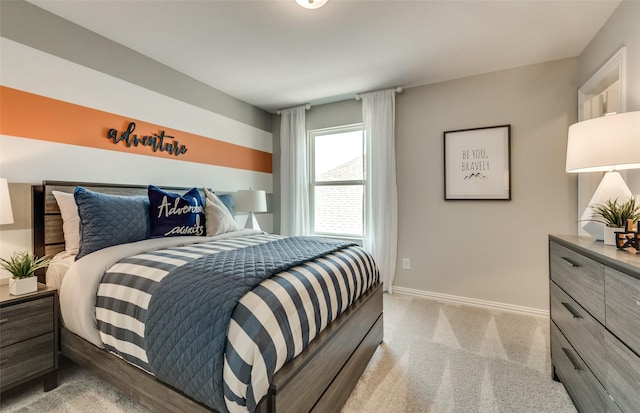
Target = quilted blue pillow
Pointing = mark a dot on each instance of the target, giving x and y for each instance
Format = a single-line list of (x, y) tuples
[(174, 214), (107, 220), (227, 200)]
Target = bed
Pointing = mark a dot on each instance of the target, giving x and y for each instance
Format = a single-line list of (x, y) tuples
[(319, 378)]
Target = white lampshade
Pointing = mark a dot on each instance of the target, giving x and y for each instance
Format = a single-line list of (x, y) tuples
[(251, 200), (604, 144), (312, 4), (6, 213), (608, 143)]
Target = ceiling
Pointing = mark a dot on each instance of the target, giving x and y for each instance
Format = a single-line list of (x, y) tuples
[(275, 54)]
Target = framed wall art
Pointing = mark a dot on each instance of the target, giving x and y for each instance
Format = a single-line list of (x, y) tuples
[(477, 164)]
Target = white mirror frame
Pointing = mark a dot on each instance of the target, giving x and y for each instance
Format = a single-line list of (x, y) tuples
[(615, 69)]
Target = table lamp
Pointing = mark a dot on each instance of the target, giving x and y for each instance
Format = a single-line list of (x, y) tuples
[(251, 200), (609, 144)]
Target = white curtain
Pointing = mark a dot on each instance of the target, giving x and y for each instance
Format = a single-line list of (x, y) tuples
[(381, 194), (294, 184)]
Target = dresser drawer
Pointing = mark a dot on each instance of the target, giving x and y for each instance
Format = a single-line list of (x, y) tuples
[(622, 294), (623, 374), (586, 392), (584, 333), (581, 277), (22, 321), (26, 359)]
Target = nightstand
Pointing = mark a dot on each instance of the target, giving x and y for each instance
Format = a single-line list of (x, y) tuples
[(28, 337)]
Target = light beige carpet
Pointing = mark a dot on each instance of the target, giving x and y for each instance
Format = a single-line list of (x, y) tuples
[(436, 358)]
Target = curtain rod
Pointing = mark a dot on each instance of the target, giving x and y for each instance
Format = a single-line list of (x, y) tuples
[(306, 107), (359, 95)]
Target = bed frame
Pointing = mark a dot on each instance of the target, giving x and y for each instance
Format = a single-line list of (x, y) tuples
[(320, 379)]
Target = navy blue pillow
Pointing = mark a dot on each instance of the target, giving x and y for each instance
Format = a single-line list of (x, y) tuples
[(174, 214), (107, 220)]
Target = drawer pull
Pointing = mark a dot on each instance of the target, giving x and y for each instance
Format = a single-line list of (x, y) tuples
[(569, 355), (4, 320), (572, 310), (570, 262)]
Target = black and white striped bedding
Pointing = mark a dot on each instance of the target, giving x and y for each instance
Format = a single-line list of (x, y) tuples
[(270, 325)]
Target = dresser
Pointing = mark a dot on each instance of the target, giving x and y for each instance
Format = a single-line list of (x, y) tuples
[(28, 337), (595, 323)]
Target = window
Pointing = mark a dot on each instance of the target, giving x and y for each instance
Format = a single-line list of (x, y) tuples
[(337, 181)]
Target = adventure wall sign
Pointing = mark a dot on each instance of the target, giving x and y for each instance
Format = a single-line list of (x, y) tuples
[(157, 142), (477, 163), (88, 127)]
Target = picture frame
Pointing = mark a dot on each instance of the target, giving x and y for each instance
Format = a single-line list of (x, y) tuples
[(477, 163)]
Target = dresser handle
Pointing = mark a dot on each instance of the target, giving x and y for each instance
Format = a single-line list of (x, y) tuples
[(572, 310), (569, 355), (570, 262), (4, 320)]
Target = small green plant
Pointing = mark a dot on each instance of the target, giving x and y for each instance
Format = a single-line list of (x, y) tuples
[(24, 264), (615, 215)]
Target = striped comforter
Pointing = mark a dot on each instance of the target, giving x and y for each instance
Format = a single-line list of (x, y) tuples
[(270, 325)]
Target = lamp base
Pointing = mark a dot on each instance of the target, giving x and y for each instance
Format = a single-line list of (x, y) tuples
[(611, 187), (252, 222)]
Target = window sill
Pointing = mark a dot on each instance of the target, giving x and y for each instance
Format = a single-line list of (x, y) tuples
[(357, 240)]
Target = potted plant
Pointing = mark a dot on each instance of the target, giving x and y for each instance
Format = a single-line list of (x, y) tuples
[(22, 266), (614, 216)]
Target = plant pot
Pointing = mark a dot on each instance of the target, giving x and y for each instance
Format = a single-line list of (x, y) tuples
[(610, 236), (23, 285)]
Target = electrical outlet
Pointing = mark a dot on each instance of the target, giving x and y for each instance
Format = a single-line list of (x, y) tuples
[(406, 263)]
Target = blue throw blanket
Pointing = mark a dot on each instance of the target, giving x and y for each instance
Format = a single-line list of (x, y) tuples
[(189, 311)]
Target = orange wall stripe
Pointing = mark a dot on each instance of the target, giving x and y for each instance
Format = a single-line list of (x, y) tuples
[(32, 116)]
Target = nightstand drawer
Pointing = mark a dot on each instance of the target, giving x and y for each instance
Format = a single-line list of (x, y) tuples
[(623, 374), (623, 307), (581, 277), (28, 358), (22, 321), (584, 333), (586, 392)]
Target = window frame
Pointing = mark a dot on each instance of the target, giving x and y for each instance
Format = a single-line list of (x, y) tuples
[(311, 136)]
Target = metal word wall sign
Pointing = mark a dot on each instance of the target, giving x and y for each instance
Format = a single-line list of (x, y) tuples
[(157, 142)]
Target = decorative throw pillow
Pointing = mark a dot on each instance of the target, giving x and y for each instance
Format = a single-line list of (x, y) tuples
[(218, 219), (70, 221), (107, 220), (174, 214), (227, 201)]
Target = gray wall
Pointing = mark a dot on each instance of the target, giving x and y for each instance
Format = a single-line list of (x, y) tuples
[(32, 26), (622, 29), (487, 250)]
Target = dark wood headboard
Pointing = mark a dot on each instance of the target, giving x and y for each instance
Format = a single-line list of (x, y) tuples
[(48, 238)]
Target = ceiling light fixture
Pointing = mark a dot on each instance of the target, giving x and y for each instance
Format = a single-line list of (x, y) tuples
[(312, 4)]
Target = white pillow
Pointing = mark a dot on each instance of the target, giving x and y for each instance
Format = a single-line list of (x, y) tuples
[(218, 219), (210, 195), (70, 221)]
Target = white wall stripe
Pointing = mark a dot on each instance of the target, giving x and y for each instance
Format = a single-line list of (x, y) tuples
[(84, 86)]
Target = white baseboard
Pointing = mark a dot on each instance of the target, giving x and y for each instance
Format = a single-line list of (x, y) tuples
[(472, 301)]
